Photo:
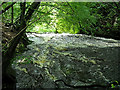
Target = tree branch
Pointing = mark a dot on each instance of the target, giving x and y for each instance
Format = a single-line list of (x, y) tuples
[(2, 11), (70, 7), (2, 4), (34, 6)]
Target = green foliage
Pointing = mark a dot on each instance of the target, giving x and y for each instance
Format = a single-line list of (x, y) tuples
[(75, 17), (6, 17), (107, 17), (41, 29), (114, 84), (94, 18)]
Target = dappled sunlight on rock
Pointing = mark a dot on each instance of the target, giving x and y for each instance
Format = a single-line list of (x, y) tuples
[(74, 59)]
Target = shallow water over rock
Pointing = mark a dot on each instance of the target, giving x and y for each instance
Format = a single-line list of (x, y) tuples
[(77, 60)]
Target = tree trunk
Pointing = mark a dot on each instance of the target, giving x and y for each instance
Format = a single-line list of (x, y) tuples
[(9, 79)]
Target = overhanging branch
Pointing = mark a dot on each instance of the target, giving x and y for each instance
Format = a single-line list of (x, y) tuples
[(2, 11)]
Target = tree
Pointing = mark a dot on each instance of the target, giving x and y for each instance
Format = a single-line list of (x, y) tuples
[(100, 19), (108, 18), (7, 8), (9, 53), (75, 18)]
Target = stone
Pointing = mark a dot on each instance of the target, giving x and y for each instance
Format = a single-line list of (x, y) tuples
[(77, 60)]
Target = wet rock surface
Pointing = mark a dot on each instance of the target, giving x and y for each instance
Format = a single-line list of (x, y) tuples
[(54, 60)]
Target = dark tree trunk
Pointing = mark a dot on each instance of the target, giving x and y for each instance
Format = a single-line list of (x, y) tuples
[(33, 7), (80, 29), (31, 10), (9, 78), (6, 60)]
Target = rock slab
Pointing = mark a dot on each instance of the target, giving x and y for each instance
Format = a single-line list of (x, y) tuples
[(77, 60)]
